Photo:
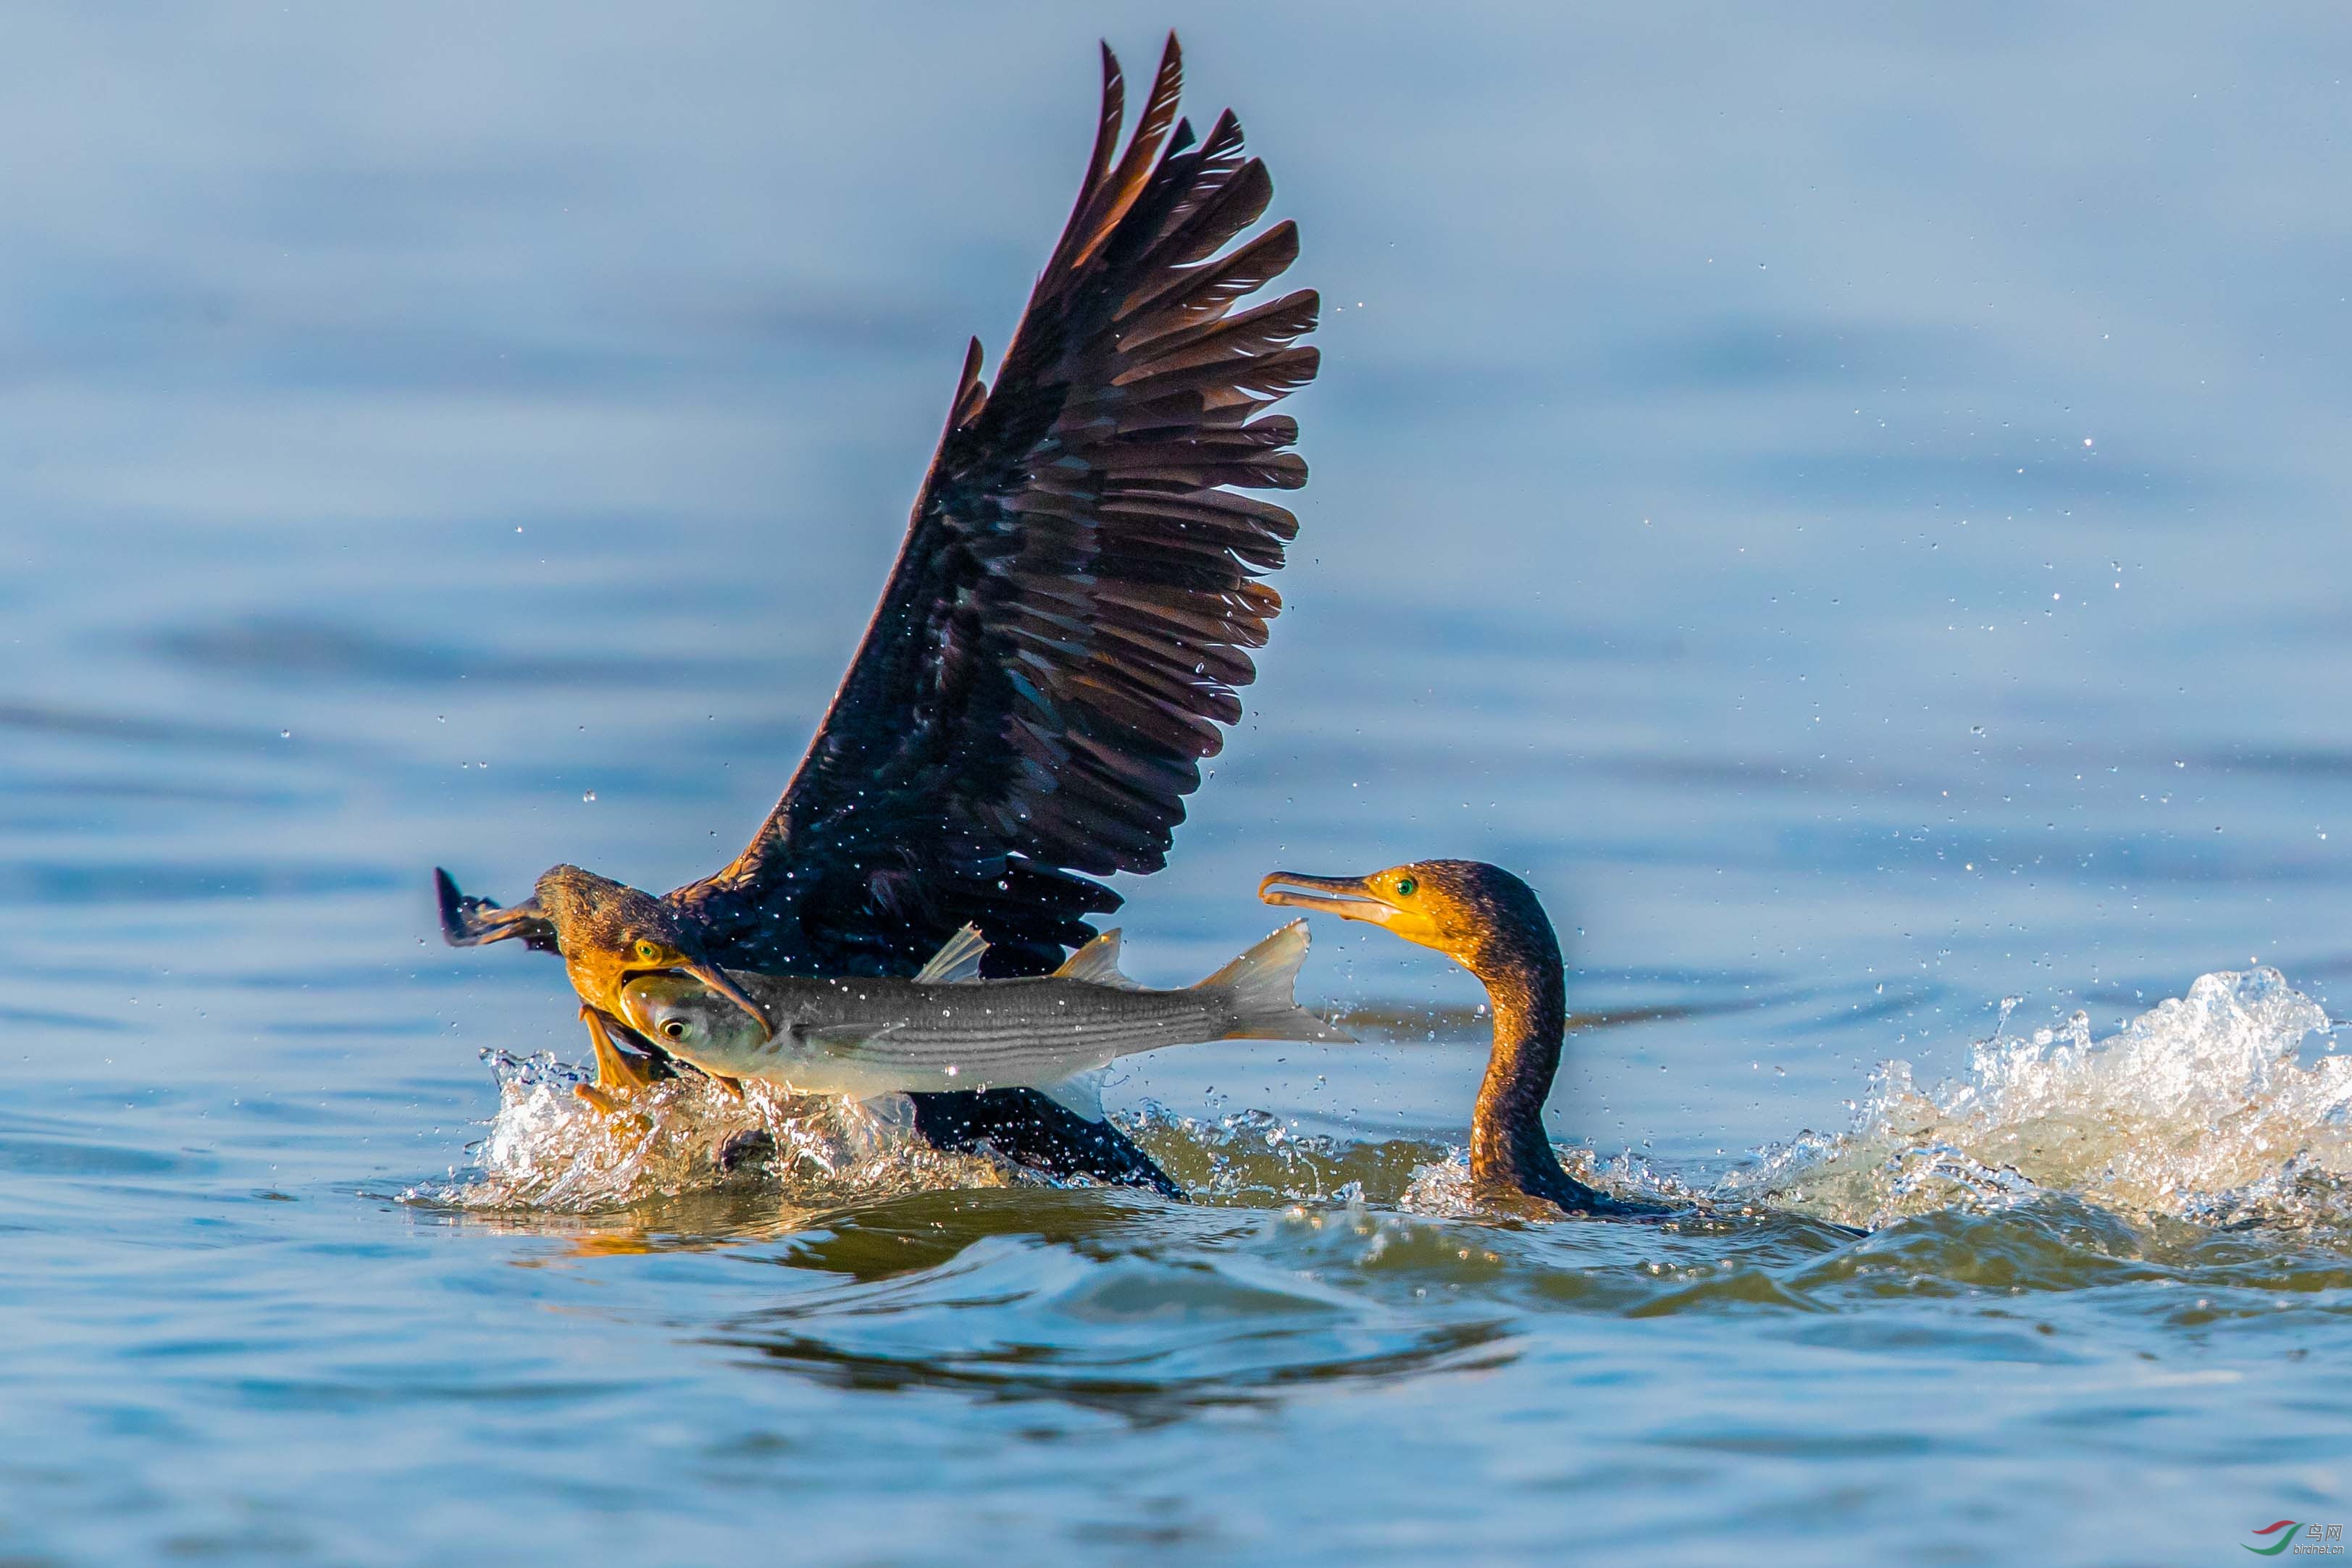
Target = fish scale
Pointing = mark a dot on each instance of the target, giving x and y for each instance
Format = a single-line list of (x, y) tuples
[(924, 1034)]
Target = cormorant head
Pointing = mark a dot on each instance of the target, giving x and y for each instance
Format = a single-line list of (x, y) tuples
[(610, 934), (1480, 915)]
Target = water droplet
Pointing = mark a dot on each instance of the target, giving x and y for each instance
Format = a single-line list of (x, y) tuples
[(285, 734)]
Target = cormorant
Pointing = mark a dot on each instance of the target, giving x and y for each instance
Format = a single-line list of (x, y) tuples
[(1490, 922), (1064, 633)]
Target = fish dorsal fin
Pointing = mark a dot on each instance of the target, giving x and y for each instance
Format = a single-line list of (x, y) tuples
[(1097, 963), (1080, 1093), (956, 964)]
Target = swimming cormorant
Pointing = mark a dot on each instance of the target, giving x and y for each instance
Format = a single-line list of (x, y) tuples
[(1064, 633), (1490, 922)]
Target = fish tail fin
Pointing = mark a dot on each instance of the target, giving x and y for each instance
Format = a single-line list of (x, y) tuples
[(1258, 987)]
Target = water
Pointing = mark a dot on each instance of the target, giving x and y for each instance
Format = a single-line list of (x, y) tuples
[(1849, 505)]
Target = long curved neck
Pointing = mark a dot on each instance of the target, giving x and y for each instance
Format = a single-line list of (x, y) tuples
[(1509, 1152)]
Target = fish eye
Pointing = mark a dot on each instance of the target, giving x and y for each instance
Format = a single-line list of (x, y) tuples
[(648, 952), (675, 1028), (1405, 886)]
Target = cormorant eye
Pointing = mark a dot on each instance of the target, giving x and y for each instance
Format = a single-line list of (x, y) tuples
[(675, 1029), (648, 952), (1405, 886)]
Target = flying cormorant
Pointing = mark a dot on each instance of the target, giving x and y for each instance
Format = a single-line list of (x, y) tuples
[(1064, 634)]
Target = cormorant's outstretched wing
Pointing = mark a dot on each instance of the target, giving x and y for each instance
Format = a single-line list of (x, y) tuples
[(1069, 617)]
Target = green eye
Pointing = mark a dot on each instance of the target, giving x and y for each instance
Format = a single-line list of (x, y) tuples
[(648, 952), (1405, 885)]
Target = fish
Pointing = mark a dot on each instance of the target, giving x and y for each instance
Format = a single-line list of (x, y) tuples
[(948, 1028)]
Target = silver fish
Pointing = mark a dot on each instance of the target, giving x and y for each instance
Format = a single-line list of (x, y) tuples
[(949, 1029)]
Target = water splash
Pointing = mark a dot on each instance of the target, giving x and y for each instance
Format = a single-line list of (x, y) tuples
[(1442, 1187), (2198, 1109), (547, 1150), (1254, 1157)]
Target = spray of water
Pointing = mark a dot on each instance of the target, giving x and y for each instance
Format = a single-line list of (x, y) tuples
[(2200, 1109), (547, 1150)]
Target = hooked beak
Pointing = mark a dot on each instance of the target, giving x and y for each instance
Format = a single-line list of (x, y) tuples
[(714, 977), (1355, 898), (1348, 897)]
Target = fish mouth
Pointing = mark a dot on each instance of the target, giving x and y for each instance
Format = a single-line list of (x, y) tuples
[(1348, 897), (643, 1008), (712, 976)]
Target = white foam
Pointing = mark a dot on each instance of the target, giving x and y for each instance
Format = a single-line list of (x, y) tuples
[(549, 1150), (2200, 1109)]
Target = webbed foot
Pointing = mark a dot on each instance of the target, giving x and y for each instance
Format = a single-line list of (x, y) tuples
[(620, 1074)]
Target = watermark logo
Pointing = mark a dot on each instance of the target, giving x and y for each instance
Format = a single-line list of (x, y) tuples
[(2299, 1540)]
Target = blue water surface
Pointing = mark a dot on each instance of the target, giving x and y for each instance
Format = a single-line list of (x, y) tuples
[(1848, 501)]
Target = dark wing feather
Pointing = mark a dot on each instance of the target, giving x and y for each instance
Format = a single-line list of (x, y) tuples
[(1073, 607)]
